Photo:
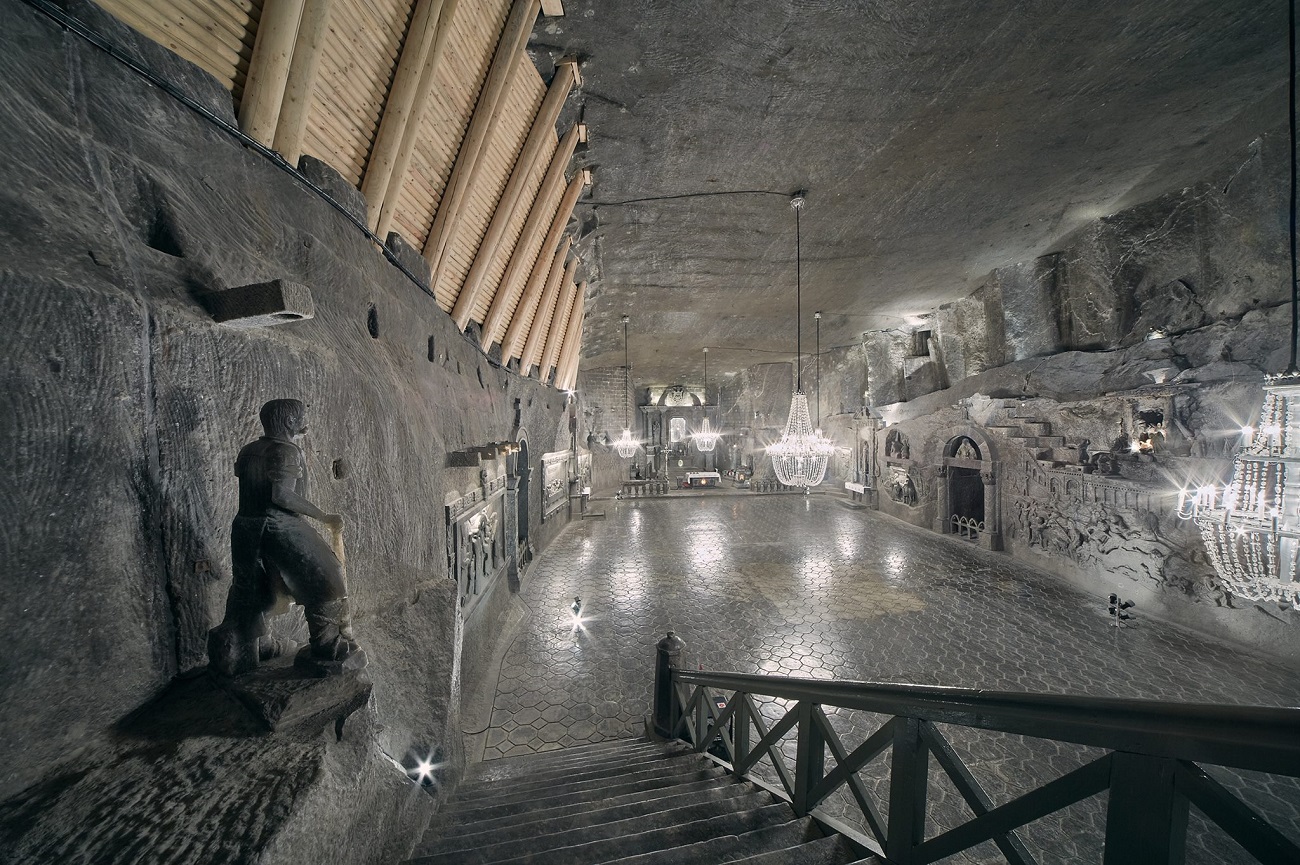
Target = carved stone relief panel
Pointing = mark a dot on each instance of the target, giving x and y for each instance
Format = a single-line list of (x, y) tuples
[(555, 482), (476, 553)]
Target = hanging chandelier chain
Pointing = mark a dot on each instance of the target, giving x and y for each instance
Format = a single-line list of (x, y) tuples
[(1293, 369), (818, 317), (627, 384), (797, 203)]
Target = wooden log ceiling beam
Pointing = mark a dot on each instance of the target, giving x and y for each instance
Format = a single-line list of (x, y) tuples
[(464, 174), (539, 331), (516, 269), (557, 328), (553, 8), (400, 104), (546, 271), (301, 84), (566, 75), (268, 70), (566, 370), (386, 204)]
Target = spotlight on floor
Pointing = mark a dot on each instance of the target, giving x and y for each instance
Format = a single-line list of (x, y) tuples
[(577, 606), (1117, 607), (424, 770)]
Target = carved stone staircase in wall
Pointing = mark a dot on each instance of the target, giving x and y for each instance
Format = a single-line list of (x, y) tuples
[(1035, 435), (631, 802)]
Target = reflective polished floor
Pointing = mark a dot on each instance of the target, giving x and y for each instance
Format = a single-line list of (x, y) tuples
[(805, 586)]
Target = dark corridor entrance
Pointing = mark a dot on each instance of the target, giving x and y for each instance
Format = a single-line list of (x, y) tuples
[(521, 466), (966, 494)]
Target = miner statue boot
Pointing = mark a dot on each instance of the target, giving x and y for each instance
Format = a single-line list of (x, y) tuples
[(332, 648)]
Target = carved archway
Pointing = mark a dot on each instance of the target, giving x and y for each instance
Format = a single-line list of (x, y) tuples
[(967, 489)]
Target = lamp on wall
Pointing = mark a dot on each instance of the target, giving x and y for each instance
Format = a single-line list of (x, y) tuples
[(626, 446), (706, 438), (799, 458), (1252, 528)]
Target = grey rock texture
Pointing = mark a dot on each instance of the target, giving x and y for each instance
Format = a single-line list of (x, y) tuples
[(123, 407), (938, 141)]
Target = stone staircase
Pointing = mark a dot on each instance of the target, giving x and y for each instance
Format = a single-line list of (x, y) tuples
[(1051, 451), (630, 802)]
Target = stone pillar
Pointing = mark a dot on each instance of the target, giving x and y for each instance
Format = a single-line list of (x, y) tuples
[(941, 524), (668, 658), (990, 538)]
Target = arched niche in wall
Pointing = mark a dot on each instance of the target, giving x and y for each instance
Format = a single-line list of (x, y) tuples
[(967, 489)]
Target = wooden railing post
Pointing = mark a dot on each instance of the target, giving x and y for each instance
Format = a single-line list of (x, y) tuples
[(810, 759), (1146, 815), (908, 779), (666, 707)]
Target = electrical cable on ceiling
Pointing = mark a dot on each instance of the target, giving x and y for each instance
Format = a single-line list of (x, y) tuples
[(686, 195)]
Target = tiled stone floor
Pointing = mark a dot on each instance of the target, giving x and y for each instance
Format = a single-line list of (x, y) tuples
[(807, 587)]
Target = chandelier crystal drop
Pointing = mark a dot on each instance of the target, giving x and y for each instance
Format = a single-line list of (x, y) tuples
[(800, 457)]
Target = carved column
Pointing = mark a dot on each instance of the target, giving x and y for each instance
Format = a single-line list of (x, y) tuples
[(941, 524), (991, 537)]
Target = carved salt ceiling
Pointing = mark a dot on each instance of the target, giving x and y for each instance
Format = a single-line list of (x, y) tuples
[(937, 139)]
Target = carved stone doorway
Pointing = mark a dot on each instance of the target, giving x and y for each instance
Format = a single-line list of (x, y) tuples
[(967, 489)]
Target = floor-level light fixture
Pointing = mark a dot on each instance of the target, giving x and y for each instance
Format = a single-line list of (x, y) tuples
[(800, 457)]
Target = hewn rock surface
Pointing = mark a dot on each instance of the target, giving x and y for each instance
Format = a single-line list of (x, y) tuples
[(122, 407)]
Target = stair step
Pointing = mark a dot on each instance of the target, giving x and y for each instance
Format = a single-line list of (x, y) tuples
[(569, 816), (830, 850), (1051, 441), (569, 772), (606, 849), (490, 811), (717, 849), (513, 766), (471, 851), (512, 791)]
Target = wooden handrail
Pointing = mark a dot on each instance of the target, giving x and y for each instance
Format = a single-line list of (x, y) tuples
[(1261, 738)]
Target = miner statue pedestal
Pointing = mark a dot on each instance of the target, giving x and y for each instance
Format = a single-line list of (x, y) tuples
[(276, 553)]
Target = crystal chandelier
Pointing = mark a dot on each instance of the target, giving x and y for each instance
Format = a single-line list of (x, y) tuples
[(800, 457), (626, 446), (1252, 528), (706, 438)]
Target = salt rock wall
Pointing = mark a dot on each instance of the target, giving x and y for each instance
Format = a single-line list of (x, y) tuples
[(124, 405)]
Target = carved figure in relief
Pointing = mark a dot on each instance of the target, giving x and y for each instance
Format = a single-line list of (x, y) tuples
[(896, 446), (1083, 451), (276, 552), (967, 451)]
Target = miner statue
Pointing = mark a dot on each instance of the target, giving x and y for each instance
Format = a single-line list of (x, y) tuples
[(276, 552)]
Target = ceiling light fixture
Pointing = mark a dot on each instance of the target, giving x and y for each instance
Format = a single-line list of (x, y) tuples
[(1252, 528), (626, 446), (706, 439), (800, 457)]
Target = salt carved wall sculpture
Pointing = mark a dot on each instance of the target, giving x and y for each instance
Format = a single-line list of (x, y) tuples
[(476, 552)]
